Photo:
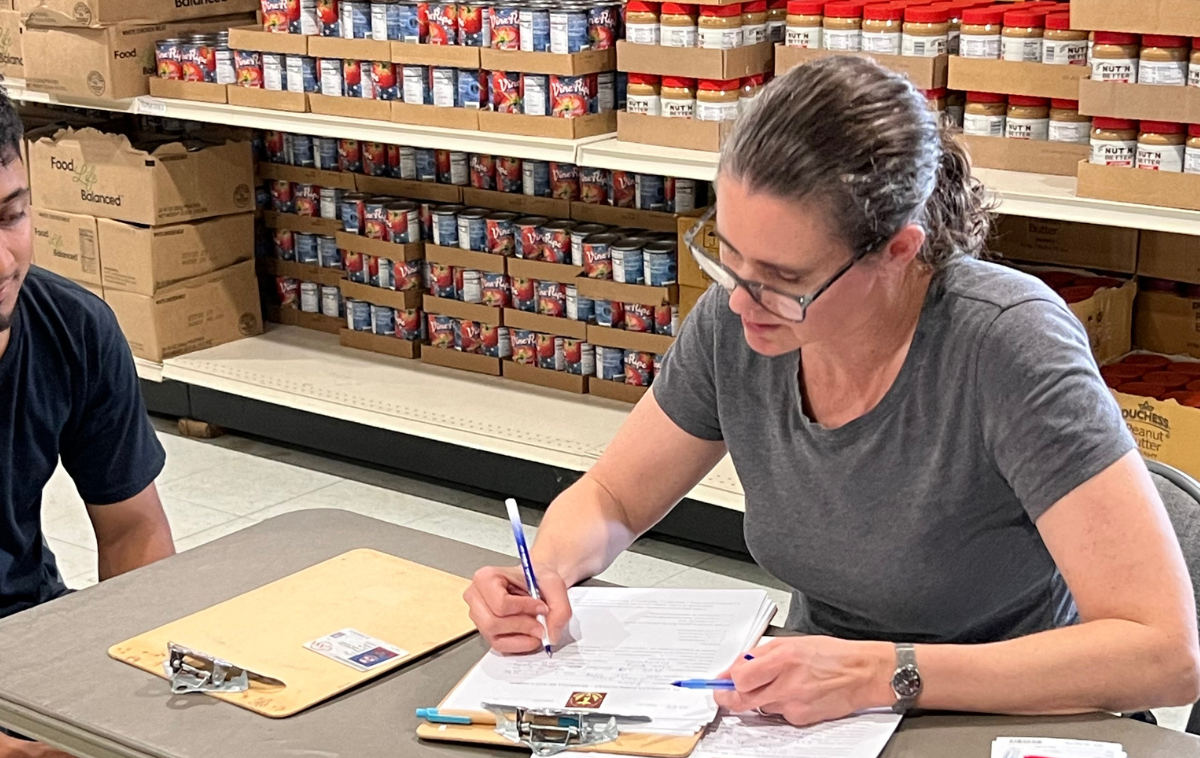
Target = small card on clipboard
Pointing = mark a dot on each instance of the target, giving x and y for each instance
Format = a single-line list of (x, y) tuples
[(355, 649)]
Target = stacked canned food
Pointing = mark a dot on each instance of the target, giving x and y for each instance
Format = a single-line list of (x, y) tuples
[(684, 97), (574, 356), (196, 58)]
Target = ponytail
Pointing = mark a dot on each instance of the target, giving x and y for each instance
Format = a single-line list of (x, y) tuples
[(958, 215)]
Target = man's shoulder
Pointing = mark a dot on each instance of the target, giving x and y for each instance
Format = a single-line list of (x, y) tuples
[(56, 299)]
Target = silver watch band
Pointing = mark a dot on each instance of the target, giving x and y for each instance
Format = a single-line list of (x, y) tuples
[(906, 681)]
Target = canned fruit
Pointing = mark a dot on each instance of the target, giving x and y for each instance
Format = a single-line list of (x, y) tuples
[(552, 299), (248, 66), (524, 346), (524, 294), (569, 96), (278, 15), (442, 330), (564, 181), (443, 24), (384, 75), (506, 91), (474, 25), (495, 290), (622, 188), (506, 27), (467, 337), (168, 59), (509, 174), (501, 234), (639, 317), (483, 171), (593, 185), (639, 368)]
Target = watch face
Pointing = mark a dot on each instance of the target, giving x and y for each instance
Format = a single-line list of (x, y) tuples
[(906, 682)]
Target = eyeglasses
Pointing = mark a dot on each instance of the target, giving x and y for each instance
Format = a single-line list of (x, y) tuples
[(786, 306)]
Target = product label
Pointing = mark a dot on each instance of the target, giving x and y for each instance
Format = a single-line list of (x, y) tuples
[(678, 36), (672, 108), (273, 72), (844, 40), (1115, 70), (776, 31), (1027, 128), (983, 126), (1160, 157), (414, 85), (1191, 161), (720, 39), (1114, 152), (716, 111), (1021, 49), (1194, 75), (1174, 73), (445, 87), (647, 104), (1065, 52), (923, 47), (752, 34), (641, 34), (887, 43), (534, 88), (1076, 132), (979, 46), (803, 36), (331, 77)]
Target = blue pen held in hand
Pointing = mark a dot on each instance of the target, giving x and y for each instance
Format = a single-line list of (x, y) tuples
[(708, 684), (518, 528)]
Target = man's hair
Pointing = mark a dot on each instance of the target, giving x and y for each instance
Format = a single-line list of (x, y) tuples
[(12, 131)]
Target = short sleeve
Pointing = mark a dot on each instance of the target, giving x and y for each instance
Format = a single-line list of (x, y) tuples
[(1047, 417), (110, 450), (685, 388)]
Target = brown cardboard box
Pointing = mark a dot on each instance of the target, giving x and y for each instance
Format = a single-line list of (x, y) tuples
[(690, 274), (605, 289), (350, 107), (548, 126), (1131, 185), (340, 179), (1140, 101), (380, 185), (88, 171), (111, 62), (1107, 315), (295, 317), (292, 102), (453, 256), (1066, 243), (400, 300), (688, 296), (191, 315), (307, 224), (563, 327), (379, 343), (1169, 256), (66, 244), (393, 251), (1165, 430), (1167, 323), (1016, 78), (305, 272), (673, 132), (557, 380), (350, 49), (435, 55), (432, 115), (480, 364), (202, 92), (626, 340), (632, 217), (144, 259), (925, 73), (570, 64), (542, 270), (1140, 16), (485, 314), (516, 202), (255, 38), (1033, 156), (12, 54), (626, 393), (694, 62), (102, 12)]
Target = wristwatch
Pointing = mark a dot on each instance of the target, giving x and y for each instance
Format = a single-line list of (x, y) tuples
[(906, 682)]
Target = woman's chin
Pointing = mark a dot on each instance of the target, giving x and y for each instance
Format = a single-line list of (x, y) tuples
[(768, 339)]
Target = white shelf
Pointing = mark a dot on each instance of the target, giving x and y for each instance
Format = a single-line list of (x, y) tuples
[(649, 159), (148, 370), (310, 371)]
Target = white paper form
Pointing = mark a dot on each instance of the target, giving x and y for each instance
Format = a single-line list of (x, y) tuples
[(745, 736), (623, 649), (1019, 747)]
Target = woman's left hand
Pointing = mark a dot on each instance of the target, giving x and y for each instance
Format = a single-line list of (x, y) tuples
[(811, 679)]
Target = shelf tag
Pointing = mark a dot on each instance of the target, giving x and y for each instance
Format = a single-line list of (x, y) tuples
[(151, 106)]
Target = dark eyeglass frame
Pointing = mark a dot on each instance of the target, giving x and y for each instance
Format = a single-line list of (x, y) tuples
[(724, 276)]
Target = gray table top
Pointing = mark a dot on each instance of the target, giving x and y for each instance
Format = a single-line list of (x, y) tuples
[(59, 684)]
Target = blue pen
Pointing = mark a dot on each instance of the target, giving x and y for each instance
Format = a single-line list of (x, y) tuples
[(708, 684), (432, 716), (518, 528)]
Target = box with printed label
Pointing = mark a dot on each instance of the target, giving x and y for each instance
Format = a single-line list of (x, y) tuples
[(1169, 256), (194, 314), (88, 171), (66, 244), (146, 259), (1066, 243), (1166, 322), (1166, 430), (102, 12), (12, 55)]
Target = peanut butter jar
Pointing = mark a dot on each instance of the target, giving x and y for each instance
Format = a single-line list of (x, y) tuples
[(1067, 124), (1022, 37), (1161, 146), (804, 23), (1163, 60), (881, 28), (985, 114), (1114, 142), (926, 31), (1115, 57), (980, 33), (1062, 45), (1027, 118), (841, 28)]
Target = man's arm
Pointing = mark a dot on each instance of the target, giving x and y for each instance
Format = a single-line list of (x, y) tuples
[(131, 533)]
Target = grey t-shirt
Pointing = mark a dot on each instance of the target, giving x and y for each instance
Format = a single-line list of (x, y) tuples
[(914, 522)]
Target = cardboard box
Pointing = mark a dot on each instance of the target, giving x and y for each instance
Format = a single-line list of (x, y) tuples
[(695, 62), (340, 179), (925, 73), (144, 259), (432, 115), (557, 380), (1016, 78), (379, 343), (1140, 16), (1066, 243), (1167, 323), (450, 358), (562, 64), (563, 327), (563, 273), (632, 217), (393, 251), (639, 341), (484, 314), (690, 274), (1165, 430), (12, 51), (435, 55), (1140, 101), (350, 107), (88, 171), (380, 185), (202, 92), (403, 300), (1032, 156), (515, 202), (251, 97), (1131, 185), (453, 256), (1169, 256), (307, 224), (605, 289), (350, 49), (254, 38), (673, 132), (110, 63), (209, 310), (616, 390), (1107, 315), (688, 296), (295, 317), (305, 272), (548, 126), (102, 12), (66, 244)]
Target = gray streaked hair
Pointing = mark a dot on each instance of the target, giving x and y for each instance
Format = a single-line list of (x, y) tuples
[(861, 140)]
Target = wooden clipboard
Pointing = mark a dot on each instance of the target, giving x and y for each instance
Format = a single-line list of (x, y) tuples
[(404, 604)]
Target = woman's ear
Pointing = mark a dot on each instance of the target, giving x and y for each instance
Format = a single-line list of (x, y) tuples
[(905, 245)]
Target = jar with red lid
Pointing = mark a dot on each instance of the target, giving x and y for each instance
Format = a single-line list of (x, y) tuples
[(979, 35), (1191, 156), (754, 22), (677, 25), (641, 22), (720, 27), (1114, 142), (677, 97), (804, 24), (717, 100), (841, 28), (882, 26), (1115, 57), (1022, 37), (1194, 64), (1062, 45), (777, 14), (1027, 118), (642, 94), (1067, 124), (751, 86), (985, 114), (1161, 146), (926, 31), (1163, 60)]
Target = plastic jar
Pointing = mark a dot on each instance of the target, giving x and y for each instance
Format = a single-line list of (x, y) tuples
[(677, 97), (804, 23), (1066, 123), (751, 86), (881, 28), (720, 27), (1114, 142), (677, 25), (717, 100), (641, 23), (1028, 118), (980, 33), (1023, 35), (956, 104), (777, 21), (642, 95), (754, 22), (1115, 57), (926, 31), (1062, 45), (1194, 66), (985, 114), (841, 28), (1163, 60), (1161, 146), (1191, 156)]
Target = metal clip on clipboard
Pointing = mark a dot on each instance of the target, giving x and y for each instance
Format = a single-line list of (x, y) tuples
[(550, 731), (193, 671)]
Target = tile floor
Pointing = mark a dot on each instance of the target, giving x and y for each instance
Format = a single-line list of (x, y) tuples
[(260, 480)]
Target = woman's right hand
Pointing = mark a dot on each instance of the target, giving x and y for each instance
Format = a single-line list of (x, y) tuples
[(506, 615)]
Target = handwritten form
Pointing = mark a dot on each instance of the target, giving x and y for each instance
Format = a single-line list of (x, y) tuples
[(746, 736), (629, 645)]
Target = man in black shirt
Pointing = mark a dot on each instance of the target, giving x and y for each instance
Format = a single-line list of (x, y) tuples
[(68, 390)]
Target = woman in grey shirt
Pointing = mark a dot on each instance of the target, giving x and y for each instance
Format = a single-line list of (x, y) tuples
[(929, 455)]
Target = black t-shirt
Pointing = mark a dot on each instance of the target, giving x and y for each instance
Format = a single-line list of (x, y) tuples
[(67, 388)]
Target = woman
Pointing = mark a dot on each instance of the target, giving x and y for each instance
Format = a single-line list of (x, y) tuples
[(929, 455)]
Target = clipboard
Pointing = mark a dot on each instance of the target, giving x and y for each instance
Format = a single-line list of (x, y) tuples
[(412, 607)]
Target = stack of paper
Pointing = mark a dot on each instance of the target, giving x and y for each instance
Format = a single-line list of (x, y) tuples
[(621, 652), (1046, 747), (745, 736)]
